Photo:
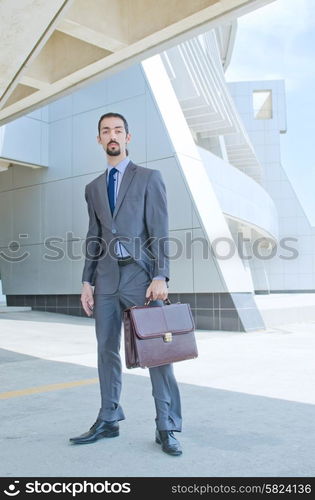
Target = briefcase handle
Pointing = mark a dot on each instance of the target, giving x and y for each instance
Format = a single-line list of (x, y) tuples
[(166, 302)]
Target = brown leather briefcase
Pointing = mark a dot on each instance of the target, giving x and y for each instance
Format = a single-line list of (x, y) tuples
[(158, 335)]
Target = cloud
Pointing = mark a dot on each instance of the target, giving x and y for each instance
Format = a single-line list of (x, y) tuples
[(276, 41), (285, 18)]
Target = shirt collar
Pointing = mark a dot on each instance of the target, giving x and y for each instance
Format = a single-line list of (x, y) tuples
[(121, 166)]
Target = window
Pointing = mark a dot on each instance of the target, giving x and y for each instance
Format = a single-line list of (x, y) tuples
[(262, 104)]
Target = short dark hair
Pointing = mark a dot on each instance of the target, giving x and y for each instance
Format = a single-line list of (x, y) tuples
[(113, 115)]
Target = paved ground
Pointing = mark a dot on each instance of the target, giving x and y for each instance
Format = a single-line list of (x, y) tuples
[(248, 404)]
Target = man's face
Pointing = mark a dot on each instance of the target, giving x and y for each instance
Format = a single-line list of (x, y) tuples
[(113, 136)]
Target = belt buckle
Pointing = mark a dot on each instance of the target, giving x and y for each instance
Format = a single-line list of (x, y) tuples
[(124, 261)]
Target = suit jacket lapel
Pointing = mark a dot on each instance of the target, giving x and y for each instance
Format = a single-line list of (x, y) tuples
[(126, 180), (103, 194)]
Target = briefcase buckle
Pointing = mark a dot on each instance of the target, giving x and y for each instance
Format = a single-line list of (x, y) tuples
[(168, 337)]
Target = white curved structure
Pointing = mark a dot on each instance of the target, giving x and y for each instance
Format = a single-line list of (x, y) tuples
[(240, 197)]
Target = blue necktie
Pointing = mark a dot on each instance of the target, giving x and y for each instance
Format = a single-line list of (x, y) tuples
[(111, 189)]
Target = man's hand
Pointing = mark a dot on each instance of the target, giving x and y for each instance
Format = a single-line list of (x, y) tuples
[(157, 290), (87, 299)]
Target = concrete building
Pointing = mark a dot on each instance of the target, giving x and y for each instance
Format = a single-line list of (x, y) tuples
[(288, 270), (217, 147), (48, 48)]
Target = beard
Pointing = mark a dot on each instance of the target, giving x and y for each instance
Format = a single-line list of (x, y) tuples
[(113, 152)]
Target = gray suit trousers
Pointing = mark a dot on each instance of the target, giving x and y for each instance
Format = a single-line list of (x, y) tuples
[(108, 311)]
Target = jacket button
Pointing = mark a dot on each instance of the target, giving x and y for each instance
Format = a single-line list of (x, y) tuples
[(114, 231)]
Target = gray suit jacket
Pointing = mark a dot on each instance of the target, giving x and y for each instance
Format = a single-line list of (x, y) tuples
[(139, 221)]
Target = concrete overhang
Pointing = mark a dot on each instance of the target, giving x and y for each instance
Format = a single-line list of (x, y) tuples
[(50, 48), (5, 163)]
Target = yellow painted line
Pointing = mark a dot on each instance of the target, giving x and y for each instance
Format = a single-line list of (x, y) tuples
[(47, 388)]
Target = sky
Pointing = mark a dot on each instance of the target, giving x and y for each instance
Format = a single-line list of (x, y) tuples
[(278, 41)]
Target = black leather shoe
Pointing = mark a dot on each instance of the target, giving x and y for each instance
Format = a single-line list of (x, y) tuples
[(101, 429), (170, 444)]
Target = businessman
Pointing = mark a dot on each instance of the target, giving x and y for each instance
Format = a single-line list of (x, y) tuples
[(126, 263)]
